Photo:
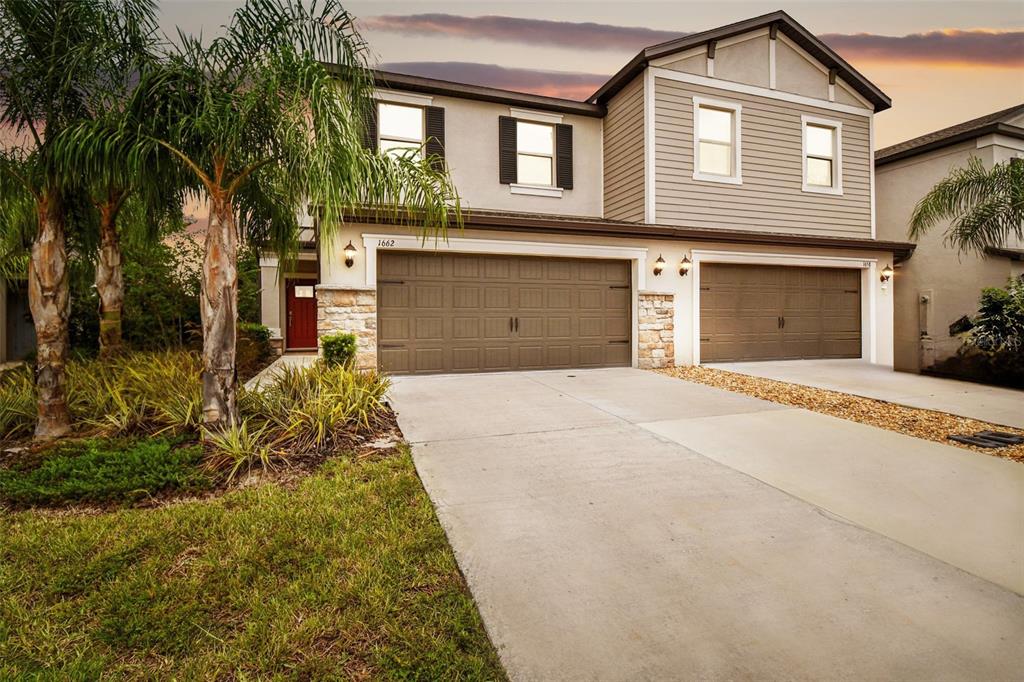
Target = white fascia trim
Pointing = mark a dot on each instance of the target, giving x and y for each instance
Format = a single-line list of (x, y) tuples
[(742, 38), (536, 116), (650, 201), (802, 52), (837, 154), (536, 190), (852, 93), (737, 155), (869, 265), (668, 74), (672, 58), (1001, 141), (500, 247), (771, 63), (403, 98)]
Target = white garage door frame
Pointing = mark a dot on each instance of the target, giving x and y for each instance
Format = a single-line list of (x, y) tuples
[(637, 256), (868, 303)]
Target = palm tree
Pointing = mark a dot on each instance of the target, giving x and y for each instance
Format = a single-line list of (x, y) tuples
[(48, 56), (266, 120), (985, 206)]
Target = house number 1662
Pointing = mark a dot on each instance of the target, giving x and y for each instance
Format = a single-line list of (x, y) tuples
[(385, 242)]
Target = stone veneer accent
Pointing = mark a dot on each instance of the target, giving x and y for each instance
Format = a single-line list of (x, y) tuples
[(656, 345), (344, 309)]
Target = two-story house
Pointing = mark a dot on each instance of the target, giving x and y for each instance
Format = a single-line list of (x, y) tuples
[(713, 201), (941, 284)]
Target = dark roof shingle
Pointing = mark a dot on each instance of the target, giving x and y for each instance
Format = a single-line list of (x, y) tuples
[(983, 125)]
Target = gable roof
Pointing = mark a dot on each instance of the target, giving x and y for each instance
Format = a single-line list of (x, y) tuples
[(785, 23), (968, 130)]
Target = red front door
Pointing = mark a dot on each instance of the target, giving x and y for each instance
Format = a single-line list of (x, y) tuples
[(300, 305)]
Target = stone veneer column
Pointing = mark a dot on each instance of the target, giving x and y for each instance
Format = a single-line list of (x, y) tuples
[(656, 345), (344, 309)]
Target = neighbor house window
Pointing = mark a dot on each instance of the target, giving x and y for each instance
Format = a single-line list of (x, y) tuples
[(822, 147), (716, 141), (400, 129), (535, 153)]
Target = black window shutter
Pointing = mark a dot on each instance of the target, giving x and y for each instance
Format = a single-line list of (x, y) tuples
[(370, 126), (435, 132), (563, 155), (507, 165)]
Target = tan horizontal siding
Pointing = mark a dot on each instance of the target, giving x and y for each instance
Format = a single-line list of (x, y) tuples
[(771, 197), (624, 154)]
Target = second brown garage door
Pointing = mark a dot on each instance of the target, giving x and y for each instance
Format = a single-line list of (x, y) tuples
[(479, 313), (763, 312)]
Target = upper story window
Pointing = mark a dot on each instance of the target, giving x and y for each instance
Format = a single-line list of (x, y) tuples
[(535, 153), (716, 141), (822, 155), (400, 129)]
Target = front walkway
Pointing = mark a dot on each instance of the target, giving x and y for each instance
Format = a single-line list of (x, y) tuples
[(620, 524), (977, 401)]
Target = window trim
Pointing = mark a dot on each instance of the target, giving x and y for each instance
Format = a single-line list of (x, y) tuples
[(551, 158), (737, 157), (837, 154), (421, 144)]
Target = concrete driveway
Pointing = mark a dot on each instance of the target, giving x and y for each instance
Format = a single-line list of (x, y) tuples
[(618, 524), (988, 403)]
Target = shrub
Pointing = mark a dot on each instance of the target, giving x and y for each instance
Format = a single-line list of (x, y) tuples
[(339, 349), (253, 349), (106, 471)]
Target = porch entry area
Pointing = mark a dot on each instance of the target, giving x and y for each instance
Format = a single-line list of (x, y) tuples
[(300, 311), (774, 312)]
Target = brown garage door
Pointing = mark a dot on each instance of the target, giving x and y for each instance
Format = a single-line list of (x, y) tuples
[(479, 313), (763, 312)]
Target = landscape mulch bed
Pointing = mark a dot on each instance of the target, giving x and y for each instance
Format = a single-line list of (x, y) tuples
[(912, 421)]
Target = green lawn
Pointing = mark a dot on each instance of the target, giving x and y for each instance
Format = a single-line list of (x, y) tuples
[(347, 575)]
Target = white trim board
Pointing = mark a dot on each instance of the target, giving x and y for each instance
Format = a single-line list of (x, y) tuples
[(650, 202), (669, 74), (535, 116), (868, 305), (402, 97)]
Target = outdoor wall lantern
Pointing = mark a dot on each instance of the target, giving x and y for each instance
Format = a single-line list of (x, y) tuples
[(350, 254), (659, 265), (684, 266), (886, 274)]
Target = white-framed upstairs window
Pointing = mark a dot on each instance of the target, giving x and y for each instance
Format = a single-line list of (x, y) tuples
[(535, 153), (822, 155), (400, 129), (716, 141)]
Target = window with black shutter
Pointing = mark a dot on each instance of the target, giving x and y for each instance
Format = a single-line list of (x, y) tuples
[(563, 155), (434, 117), (507, 172)]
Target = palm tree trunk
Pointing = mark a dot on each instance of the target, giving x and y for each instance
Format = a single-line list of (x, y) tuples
[(109, 279), (48, 299), (219, 307)]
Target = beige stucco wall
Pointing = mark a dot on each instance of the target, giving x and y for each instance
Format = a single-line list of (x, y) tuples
[(794, 73), (624, 154), (951, 281), (471, 150), (877, 325), (744, 62), (771, 196)]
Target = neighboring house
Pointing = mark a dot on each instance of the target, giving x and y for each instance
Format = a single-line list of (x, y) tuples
[(940, 285), (714, 200)]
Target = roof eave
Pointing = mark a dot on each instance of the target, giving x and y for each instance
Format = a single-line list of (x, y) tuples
[(992, 128), (786, 23)]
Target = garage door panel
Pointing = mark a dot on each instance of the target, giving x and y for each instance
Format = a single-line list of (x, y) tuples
[(759, 312), (571, 313)]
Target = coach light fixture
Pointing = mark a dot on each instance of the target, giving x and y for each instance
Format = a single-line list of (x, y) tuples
[(659, 265), (886, 274), (350, 254), (684, 266)]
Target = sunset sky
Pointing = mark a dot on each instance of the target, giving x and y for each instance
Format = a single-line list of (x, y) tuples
[(940, 62)]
